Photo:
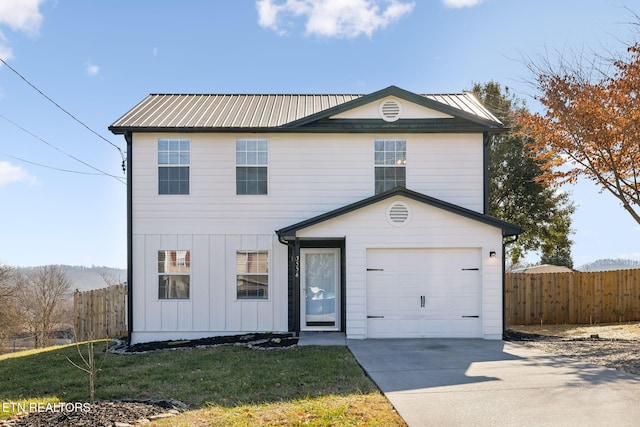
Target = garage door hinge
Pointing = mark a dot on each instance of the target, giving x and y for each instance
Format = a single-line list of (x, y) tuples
[(475, 317), (375, 269), (469, 269), (375, 317)]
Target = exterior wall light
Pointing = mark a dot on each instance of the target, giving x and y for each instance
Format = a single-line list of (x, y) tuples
[(492, 254)]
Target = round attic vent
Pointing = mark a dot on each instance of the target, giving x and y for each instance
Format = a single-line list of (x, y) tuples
[(390, 110), (398, 213)]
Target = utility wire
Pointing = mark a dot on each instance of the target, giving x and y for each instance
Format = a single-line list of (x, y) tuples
[(57, 105), (62, 151), (50, 167)]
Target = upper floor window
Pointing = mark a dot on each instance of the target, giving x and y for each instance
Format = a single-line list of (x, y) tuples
[(390, 164), (252, 157), (173, 166)]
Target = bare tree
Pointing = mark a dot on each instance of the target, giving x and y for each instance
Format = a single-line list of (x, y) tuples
[(7, 283), (43, 299), (109, 279), (10, 318)]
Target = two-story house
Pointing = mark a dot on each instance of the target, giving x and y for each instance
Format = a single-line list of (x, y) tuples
[(365, 214)]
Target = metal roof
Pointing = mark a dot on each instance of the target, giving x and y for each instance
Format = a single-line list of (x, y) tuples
[(211, 111)]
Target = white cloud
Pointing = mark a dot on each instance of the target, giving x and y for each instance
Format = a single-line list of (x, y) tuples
[(10, 174), (459, 4), (22, 16), (5, 51), (92, 69), (332, 18)]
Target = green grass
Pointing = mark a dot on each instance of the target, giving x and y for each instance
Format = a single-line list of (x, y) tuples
[(229, 385)]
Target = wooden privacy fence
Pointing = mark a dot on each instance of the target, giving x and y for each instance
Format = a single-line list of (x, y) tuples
[(100, 313), (574, 297)]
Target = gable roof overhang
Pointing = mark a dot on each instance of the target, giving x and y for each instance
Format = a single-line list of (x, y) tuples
[(476, 114), (508, 229), (303, 113)]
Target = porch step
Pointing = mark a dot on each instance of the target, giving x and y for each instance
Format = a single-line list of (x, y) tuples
[(322, 338)]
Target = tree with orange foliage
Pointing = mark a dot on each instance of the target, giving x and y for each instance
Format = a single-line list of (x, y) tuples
[(590, 128)]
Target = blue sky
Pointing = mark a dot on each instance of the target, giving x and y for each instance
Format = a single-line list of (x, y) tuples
[(97, 59)]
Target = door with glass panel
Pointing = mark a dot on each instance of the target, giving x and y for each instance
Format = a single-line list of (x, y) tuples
[(320, 289)]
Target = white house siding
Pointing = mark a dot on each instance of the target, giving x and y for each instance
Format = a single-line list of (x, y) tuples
[(429, 227), (212, 307), (409, 111), (309, 174)]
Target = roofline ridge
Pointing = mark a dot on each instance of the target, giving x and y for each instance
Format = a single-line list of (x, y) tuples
[(256, 94)]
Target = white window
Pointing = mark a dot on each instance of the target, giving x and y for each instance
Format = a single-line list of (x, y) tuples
[(174, 274), (252, 158), (173, 166), (252, 269), (390, 158)]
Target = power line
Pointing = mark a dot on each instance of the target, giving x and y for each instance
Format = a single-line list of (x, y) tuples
[(58, 105), (52, 167), (58, 149)]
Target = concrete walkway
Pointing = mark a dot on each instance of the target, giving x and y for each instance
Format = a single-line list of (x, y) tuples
[(444, 382), (322, 338)]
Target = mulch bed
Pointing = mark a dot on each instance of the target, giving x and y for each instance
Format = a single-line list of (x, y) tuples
[(261, 341), (102, 413)]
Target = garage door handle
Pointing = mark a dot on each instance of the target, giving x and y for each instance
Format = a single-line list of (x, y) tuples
[(375, 269), (375, 317), (475, 317), (470, 269), (423, 301)]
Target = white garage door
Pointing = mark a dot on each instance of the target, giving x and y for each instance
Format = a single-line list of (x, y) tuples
[(424, 293)]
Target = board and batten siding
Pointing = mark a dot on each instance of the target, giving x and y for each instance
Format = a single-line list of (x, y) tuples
[(212, 307), (429, 228)]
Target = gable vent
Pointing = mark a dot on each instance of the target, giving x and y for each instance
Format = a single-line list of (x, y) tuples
[(398, 213), (390, 110)]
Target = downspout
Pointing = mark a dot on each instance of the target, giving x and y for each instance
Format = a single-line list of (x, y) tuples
[(486, 139), (293, 247), (504, 283), (129, 138)]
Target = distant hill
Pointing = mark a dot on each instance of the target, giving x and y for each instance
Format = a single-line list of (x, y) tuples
[(610, 264), (88, 278)]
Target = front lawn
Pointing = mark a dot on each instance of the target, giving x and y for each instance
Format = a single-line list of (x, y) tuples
[(223, 386)]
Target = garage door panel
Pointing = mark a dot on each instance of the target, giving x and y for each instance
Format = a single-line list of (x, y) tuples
[(424, 293)]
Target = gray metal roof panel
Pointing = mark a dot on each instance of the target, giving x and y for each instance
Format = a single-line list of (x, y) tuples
[(192, 111)]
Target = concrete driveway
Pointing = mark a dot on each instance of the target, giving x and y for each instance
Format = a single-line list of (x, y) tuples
[(447, 382)]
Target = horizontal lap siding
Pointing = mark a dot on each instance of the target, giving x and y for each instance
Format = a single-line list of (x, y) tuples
[(308, 175)]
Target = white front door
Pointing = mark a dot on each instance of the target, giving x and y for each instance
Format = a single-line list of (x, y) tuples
[(320, 289)]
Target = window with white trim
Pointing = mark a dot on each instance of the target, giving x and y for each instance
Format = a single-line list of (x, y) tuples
[(174, 274), (252, 272), (174, 157), (390, 156), (252, 157)]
